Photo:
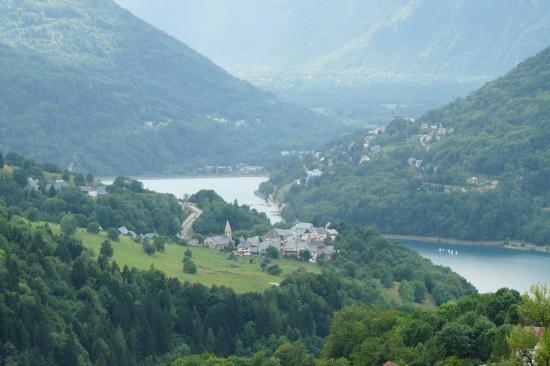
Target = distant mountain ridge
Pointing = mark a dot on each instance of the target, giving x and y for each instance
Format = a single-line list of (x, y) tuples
[(355, 56), (87, 84)]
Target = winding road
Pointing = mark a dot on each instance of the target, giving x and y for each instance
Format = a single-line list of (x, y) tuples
[(186, 232)]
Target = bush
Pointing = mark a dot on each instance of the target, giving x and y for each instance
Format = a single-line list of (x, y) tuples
[(189, 266), (148, 248), (32, 214), (159, 244), (106, 249), (68, 224), (272, 252), (93, 227), (112, 234), (274, 270)]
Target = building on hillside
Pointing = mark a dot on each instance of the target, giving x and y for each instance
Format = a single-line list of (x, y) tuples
[(123, 230), (301, 228), (102, 191), (315, 173), (220, 242), (59, 184), (281, 234), (228, 232), (33, 185)]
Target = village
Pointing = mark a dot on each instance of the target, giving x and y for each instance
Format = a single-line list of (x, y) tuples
[(303, 240)]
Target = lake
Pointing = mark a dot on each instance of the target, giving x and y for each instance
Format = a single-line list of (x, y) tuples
[(489, 268), (229, 188)]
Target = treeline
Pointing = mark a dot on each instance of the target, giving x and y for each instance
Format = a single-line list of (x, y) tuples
[(501, 328), (126, 204), (243, 220)]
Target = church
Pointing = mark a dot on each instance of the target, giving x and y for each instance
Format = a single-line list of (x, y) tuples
[(220, 242)]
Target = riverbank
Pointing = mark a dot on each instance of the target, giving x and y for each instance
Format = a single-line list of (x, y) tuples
[(473, 243)]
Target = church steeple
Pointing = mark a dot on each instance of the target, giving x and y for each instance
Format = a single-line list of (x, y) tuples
[(228, 231)]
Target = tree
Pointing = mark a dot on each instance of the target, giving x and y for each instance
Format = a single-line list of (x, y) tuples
[(68, 224), (188, 253), (93, 227), (387, 279), (79, 180), (112, 234), (406, 291), (536, 306), (455, 339), (522, 341), (106, 249), (543, 352), (79, 273), (66, 176), (148, 248), (89, 178), (272, 252), (20, 176), (294, 354), (189, 266), (350, 268), (274, 270), (159, 243), (1, 160), (304, 255)]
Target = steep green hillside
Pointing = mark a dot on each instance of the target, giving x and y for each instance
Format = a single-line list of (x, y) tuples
[(87, 83), (483, 172)]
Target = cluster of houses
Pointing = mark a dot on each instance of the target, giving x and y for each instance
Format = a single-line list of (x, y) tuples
[(289, 242), (227, 169), (417, 163), (33, 185), (435, 129), (94, 191), (123, 230)]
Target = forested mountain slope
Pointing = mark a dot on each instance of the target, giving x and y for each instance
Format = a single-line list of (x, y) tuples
[(476, 169), (83, 82), (64, 304)]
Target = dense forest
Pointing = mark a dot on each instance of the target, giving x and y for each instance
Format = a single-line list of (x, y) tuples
[(477, 169), (243, 220), (63, 305), (82, 82)]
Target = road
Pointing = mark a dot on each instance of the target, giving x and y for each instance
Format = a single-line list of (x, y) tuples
[(187, 225)]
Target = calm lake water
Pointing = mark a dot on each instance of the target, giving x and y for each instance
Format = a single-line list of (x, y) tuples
[(229, 188), (489, 268)]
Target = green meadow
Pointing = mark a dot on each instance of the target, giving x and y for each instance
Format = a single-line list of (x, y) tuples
[(214, 268)]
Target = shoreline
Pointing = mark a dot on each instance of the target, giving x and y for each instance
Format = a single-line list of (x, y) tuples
[(189, 176), (472, 243)]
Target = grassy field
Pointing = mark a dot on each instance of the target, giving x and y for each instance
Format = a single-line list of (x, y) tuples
[(213, 267)]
